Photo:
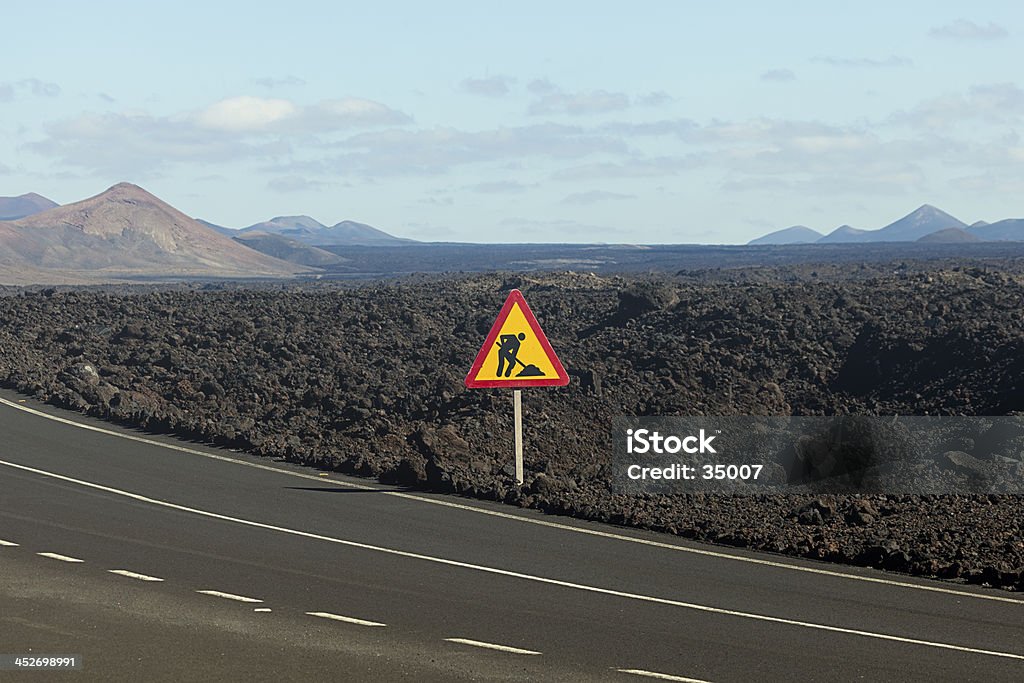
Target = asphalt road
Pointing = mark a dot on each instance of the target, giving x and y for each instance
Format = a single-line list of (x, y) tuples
[(230, 567)]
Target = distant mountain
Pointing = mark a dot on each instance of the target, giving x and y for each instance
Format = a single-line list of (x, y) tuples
[(949, 236), (310, 231), (1010, 229), (230, 232), (924, 220), (844, 233), (287, 249), (13, 208), (125, 232), (797, 234)]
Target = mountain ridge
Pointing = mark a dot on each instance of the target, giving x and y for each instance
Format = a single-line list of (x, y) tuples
[(127, 232)]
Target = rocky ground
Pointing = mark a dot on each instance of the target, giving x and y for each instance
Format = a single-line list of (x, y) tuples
[(368, 380)]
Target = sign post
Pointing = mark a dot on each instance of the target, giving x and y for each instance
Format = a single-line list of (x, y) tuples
[(516, 354), (517, 400)]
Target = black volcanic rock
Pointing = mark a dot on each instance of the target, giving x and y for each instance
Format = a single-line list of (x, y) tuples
[(368, 380)]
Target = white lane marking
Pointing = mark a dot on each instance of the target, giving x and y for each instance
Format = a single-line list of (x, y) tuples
[(229, 596), (8, 544), (62, 558), (134, 575), (263, 609), (347, 620), (661, 677), (776, 564), (516, 575), (492, 646)]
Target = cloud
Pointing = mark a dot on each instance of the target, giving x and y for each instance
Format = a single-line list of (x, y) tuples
[(594, 196), (5, 169), (106, 98), (580, 103), (541, 86), (778, 75), (640, 167), (865, 63), (248, 114), (32, 86), (994, 103), (964, 29), (677, 127), (40, 88), (654, 99), (493, 86), (294, 183), (271, 82), (500, 187), (436, 150), (138, 143), (245, 114)]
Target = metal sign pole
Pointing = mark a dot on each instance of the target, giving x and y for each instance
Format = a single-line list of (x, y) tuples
[(517, 399)]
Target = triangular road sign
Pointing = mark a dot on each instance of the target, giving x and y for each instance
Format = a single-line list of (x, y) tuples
[(516, 353)]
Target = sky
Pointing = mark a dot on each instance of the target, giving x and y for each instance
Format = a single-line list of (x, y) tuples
[(641, 122)]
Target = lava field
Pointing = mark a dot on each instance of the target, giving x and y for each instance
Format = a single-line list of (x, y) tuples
[(368, 379)]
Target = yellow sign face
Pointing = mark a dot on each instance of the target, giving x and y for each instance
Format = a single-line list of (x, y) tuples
[(516, 352)]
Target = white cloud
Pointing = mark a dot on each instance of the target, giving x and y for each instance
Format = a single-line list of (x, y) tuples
[(964, 29), (245, 113)]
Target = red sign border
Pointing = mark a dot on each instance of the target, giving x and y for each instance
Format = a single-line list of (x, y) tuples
[(516, 297)]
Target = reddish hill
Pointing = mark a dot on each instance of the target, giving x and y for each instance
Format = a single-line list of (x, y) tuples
[(126, 232)]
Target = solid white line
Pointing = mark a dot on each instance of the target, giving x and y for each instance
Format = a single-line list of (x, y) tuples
[(134, 575), (775, 564), (229, 596), (661, 677), (516, 575), (62, 558), (8, 544), (492, 646), (347, 620)]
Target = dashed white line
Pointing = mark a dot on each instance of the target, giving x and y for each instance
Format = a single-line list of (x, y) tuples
[(8, 544), (492, 646), (229, 596), (62, 558), (516, 575), (660, 676), (347, 620), (134, 575), (263, 609), (775, 564)]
